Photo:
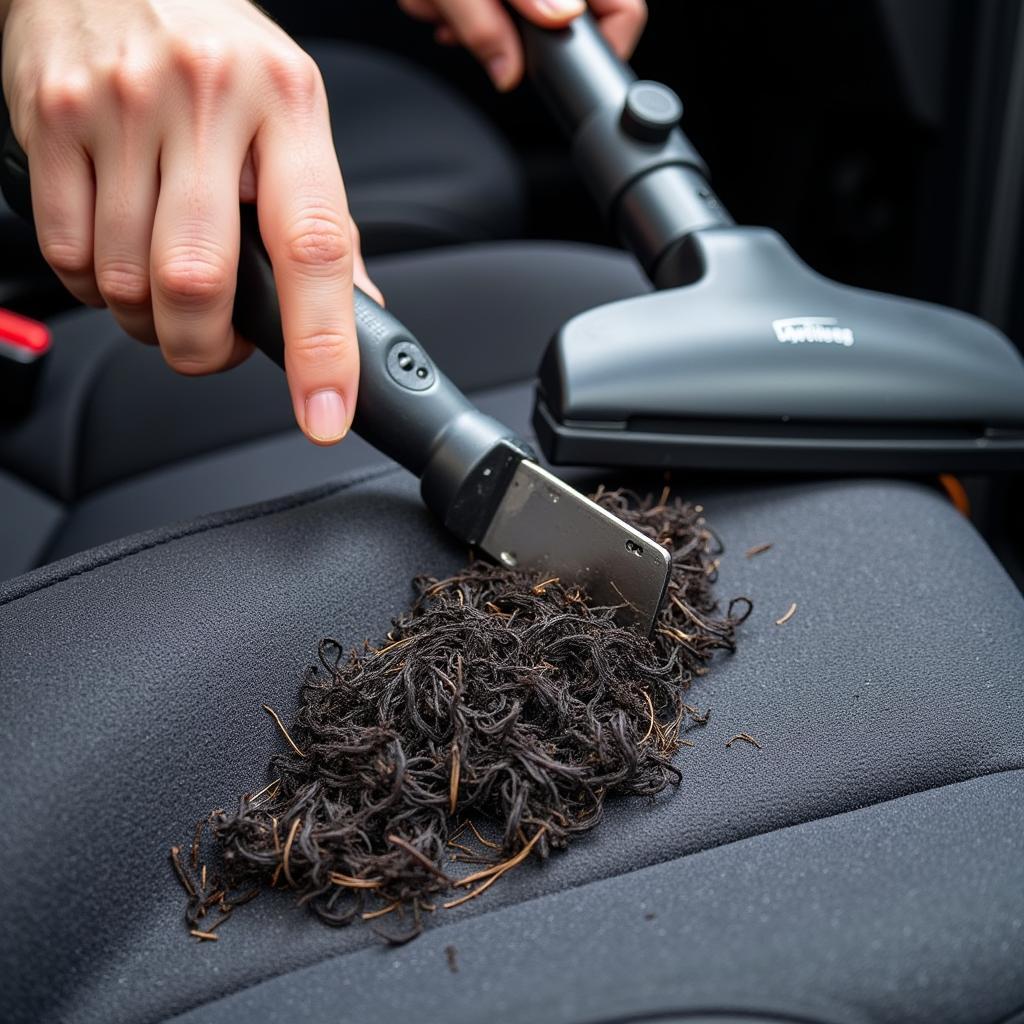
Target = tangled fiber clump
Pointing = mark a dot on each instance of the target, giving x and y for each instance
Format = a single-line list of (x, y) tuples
[(501, 700)]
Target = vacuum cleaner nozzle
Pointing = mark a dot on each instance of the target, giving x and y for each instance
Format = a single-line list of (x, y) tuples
[(763, 364)]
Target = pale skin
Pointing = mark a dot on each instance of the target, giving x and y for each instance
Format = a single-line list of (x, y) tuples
[(145, 123)]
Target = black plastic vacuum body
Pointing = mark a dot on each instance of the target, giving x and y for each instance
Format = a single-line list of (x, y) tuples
[(745, 358)]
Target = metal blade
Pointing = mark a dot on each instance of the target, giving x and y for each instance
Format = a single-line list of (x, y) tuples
[(543, 524)]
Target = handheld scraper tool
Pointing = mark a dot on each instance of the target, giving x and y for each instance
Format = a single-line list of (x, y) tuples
[(476, 475)]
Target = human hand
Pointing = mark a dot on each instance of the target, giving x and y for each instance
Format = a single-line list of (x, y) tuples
[(145, 122), (484, 27)]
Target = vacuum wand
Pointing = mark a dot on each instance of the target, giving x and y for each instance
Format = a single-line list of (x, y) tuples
[(627, 144)]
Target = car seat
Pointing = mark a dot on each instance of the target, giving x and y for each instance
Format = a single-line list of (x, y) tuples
[(867, 863)]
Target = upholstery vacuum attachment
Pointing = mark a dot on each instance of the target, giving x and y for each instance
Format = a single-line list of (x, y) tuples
[(746, 359)]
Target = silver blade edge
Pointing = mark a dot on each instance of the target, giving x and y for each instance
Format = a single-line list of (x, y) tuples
[(544, 525)]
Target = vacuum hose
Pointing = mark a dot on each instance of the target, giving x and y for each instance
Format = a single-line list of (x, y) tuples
[(627, 144)]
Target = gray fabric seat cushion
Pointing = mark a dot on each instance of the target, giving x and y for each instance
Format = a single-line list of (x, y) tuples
[(887, 913), (130, 690), (864, 865)]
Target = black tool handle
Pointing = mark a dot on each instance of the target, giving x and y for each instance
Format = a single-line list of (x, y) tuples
[(641, 168), (406, 408), (574, 69)]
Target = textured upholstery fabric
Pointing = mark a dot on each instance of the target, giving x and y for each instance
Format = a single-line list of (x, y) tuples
[(865, 865), (896, 912), (130, 686)]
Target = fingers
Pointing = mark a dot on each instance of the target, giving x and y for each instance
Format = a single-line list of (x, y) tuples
[(63, 193), (484, 27), (622, 23), (307, 231), (194, 253), (127, 183)]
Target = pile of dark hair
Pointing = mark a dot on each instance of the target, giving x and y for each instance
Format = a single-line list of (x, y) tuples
[(501, 705)]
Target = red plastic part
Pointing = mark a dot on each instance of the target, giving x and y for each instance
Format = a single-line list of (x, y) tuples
[(23, 333)]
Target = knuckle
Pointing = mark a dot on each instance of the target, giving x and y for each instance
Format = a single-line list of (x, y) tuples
[(64, 96), (193, 361), (319, 240), (65, 256), (192, 276), (123, 284), (296, 78), (134, 87), (205, 63), (322, 349)]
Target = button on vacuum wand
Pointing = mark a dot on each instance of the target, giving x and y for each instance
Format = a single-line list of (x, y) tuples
[(651, 111)]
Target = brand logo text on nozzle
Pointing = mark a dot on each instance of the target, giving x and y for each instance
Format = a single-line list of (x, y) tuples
[(821, 330)]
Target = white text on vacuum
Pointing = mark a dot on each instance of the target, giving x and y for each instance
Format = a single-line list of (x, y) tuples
[(822, 330)]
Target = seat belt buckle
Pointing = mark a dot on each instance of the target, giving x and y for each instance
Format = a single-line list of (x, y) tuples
[(24, 346)]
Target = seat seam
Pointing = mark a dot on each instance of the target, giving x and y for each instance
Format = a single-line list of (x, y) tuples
[(182, 533), (598, 881)]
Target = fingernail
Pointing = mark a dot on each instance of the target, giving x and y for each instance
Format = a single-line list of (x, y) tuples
[(325, 416), (560, 8), (498, 68)]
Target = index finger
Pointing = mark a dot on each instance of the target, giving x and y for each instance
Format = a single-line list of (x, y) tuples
[(305, 224)]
